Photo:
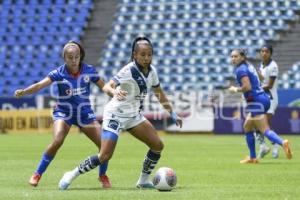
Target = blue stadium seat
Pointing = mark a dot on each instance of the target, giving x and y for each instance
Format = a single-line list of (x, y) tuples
[(31, 25)]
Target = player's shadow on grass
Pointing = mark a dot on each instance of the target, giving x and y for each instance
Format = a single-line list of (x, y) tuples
[(278, 163), (103, 189)]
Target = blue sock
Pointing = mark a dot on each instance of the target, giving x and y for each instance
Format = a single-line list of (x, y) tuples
[(273, 137), (45, 161), (103, 168), (250, 139)]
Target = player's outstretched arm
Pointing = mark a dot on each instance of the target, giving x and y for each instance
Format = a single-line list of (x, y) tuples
[(270, 83), (100, 83), (260, 76), (110, 89), (246, 86), (162, 98), (33, 88)]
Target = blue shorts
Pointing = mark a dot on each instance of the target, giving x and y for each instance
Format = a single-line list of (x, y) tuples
[(260, 105), (80, 120)]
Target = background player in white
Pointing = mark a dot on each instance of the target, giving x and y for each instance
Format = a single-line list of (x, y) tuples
[(268, 73), (73, 106), (129, 87)]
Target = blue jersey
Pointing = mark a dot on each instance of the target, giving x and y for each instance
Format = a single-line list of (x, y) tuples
[(244, 69), (74, 91)]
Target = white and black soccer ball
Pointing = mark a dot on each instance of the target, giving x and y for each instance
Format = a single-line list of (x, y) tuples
[(165, 179)]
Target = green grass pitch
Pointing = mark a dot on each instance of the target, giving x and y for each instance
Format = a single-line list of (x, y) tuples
[(207, 167)]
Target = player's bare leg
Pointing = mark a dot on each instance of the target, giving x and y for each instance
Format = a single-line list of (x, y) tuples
[(108, 144), (146, 133), (263, 125), (61, 129), (92, 131), (250, 140)]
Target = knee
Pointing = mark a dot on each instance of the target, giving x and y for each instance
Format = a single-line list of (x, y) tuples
[(104, 156), (159, 146), (247, 128)]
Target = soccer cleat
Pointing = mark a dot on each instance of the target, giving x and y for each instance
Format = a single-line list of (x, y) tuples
[(248, 160), (263, 151), (275, 151), (104, 181), (34, 179), (146, 185), (287, 149), (66, 181)]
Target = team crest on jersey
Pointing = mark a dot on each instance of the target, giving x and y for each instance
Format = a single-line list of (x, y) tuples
[(86, 78), (69, 92), (113, 124)]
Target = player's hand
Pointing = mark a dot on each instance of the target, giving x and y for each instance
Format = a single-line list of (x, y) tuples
[(19, 93), (120, 94), (179, 122), (233, 89), (176, 119)]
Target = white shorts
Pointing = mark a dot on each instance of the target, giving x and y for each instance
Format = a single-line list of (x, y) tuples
[(116, 124), (273, 106)]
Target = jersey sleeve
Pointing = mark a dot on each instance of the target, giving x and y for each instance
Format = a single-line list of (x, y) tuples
[(155, 79), (273, 70), (122, 76), (54, 75), (241, 72), (94, 75)]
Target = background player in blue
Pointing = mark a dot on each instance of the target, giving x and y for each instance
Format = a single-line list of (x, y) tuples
[(130, 87), (73, 105), (258, 103)]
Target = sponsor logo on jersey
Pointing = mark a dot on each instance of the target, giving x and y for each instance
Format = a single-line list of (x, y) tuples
[(76, 91)]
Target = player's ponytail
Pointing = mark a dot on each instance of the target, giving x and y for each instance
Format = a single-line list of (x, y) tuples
[(242, 52), (135, 45)]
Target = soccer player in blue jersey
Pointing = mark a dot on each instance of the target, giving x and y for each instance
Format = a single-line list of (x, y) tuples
[(123, 112), (258, 103), (73, 106)]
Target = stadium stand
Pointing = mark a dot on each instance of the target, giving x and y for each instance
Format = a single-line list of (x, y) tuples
[(291, 78), (192, 39), (32, 34)]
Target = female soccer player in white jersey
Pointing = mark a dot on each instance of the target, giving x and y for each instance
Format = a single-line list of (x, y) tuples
[(73, 107), (129, 86), (268, 73)]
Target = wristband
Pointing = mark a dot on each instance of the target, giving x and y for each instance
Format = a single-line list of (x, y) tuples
[(173, 116)]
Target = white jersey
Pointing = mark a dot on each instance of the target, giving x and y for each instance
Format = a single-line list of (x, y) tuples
[(137, 85), (271, 70)]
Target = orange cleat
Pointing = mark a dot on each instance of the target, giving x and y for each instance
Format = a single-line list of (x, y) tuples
[(287, 149), (248, 160), (34, 179), (105, 181)]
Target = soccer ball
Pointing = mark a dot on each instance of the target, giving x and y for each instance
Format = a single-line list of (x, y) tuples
[(164, 179)]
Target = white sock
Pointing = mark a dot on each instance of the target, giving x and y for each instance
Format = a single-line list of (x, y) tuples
[(276, 146), (143, 178), (75, 172), (263, 146)]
